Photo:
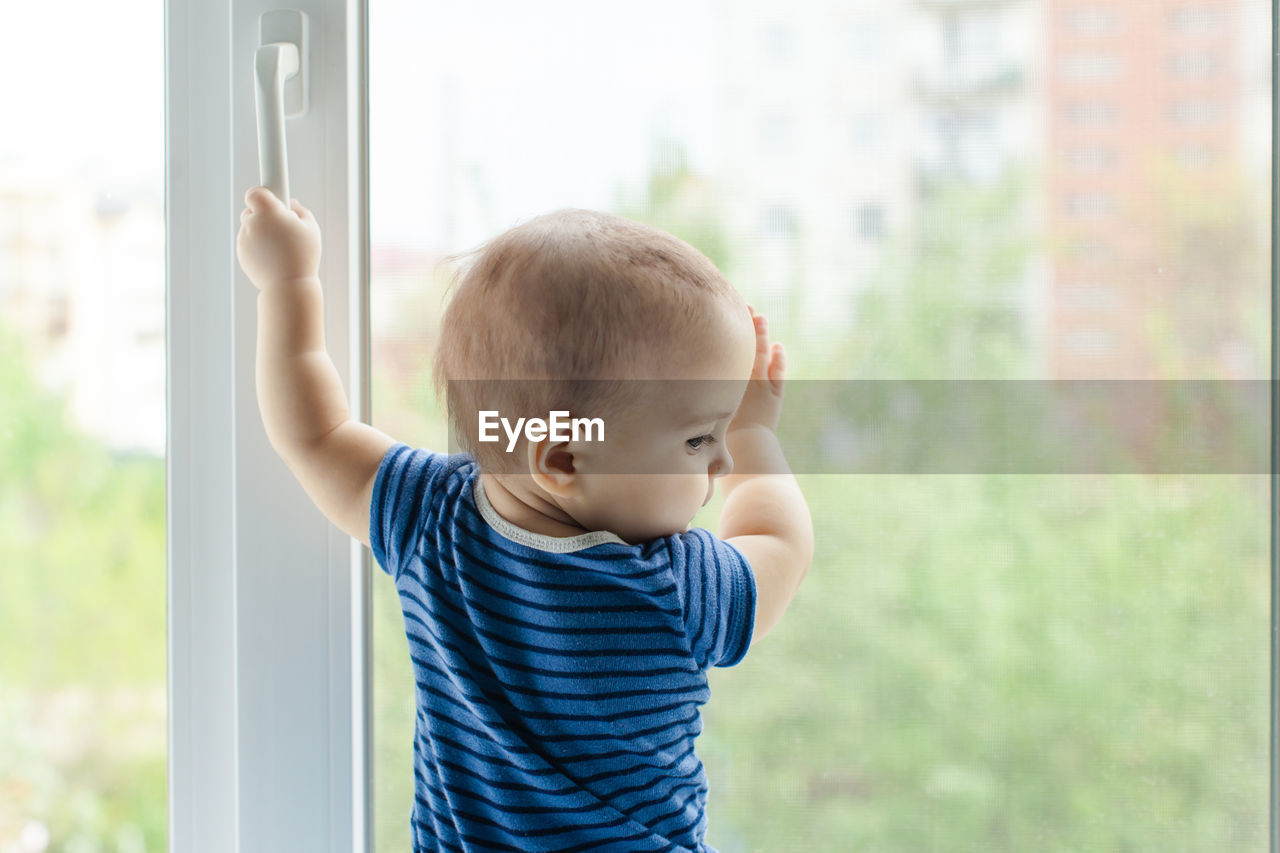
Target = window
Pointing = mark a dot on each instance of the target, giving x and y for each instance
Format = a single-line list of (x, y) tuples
[(1092, 113), (1195, 112), (1195, 19), (83, 712), (1193, 65), (971, 43), (1092, 20), (1086, 205), (778, 220), (948, 675), (868, 131), (972, 144), (1091, 158), (869, 221), (776, 132), (1196, 157), (777, 43), (982, 656), (1090, 66), (868, 40)]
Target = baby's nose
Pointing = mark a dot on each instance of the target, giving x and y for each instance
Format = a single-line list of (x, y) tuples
[(723, 465)]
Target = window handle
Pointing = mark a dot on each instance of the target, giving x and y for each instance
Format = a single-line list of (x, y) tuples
[(280, 91)]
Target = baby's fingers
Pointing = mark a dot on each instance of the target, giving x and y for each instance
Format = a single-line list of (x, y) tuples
[(778, 366), (760, 369), (771, 359), (260, 199)]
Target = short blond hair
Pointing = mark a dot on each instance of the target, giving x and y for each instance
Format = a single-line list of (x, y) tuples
[(567, 298)]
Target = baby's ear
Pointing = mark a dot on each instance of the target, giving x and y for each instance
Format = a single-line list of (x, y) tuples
[(551, 465)]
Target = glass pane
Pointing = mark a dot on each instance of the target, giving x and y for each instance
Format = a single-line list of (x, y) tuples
[(82, 429), (1018, 195)]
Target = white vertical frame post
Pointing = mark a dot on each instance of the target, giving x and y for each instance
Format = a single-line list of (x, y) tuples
[(268, 686)]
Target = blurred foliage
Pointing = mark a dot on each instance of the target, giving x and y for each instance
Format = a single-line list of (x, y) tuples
[(82, 540), (1210, 236), (82, 605), (994, 663), (975, 663), (1007, 663), (1001, 662)]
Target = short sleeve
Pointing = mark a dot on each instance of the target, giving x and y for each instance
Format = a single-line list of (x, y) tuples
[(718, 592), (400, 503)]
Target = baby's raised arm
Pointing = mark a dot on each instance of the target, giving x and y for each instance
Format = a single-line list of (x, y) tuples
[(300, 396), (765, 515)]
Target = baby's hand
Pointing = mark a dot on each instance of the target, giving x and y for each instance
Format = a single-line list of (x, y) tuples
[(762, 402), (276, 243)]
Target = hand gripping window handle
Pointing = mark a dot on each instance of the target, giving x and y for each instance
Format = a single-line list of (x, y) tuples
[(280, 73)]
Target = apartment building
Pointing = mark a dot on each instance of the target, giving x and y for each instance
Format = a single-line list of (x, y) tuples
[(839, 116), (1144, 106)]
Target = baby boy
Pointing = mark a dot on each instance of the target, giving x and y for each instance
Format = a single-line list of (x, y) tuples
[(561, 613)]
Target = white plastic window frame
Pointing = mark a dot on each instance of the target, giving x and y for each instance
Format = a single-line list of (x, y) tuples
[(267, 601)]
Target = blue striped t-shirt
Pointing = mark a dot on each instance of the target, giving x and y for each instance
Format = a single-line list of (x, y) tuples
[(559, 680)]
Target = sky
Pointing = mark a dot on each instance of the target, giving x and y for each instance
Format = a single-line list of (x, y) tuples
[(555, 102), (556, 114), (58, 110), (538, 105)]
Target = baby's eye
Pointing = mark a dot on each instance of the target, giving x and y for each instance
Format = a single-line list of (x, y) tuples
[(696, 443)]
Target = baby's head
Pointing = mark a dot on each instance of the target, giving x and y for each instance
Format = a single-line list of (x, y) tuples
[(587, 296)]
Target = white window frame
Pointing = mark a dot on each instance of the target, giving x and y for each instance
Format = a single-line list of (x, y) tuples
[(267, 602)]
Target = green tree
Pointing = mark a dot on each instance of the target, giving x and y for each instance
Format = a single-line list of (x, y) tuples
[(998, 662), (1208, 258), (82, 605)]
